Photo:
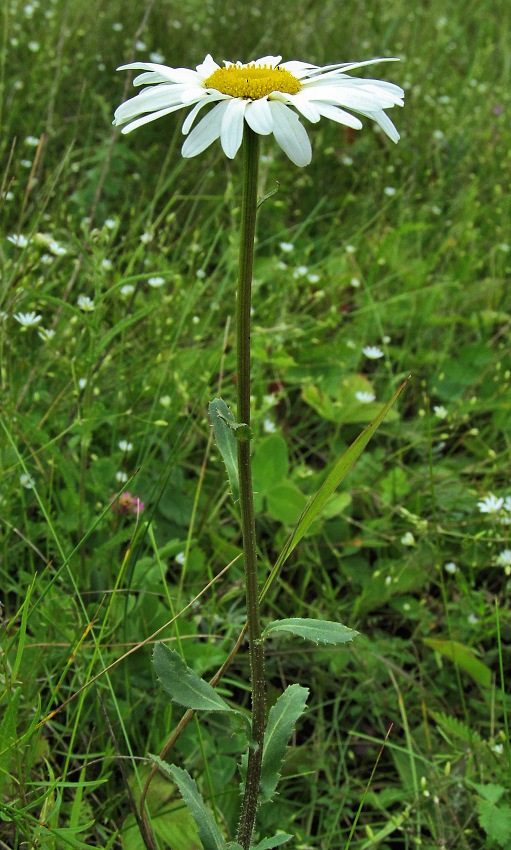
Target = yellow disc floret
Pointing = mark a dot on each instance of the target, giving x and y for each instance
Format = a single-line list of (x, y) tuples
[(252, 81)]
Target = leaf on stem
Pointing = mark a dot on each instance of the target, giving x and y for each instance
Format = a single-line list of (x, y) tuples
[(281, 723), (222, 420), (318, 631), (209, 834), (183, 684)]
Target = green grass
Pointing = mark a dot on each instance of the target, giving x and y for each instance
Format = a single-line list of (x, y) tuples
[(406, 740)]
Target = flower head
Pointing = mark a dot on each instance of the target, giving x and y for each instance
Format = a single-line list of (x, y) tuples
[(264, 93), (490, 504), (127, 504), (28, 320)]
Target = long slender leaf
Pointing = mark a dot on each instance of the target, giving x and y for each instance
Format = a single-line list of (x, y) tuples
[(330, 484)]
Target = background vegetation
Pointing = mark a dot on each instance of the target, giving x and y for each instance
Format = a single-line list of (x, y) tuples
[(127, 253)]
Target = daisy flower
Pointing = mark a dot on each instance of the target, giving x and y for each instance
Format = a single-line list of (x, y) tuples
[(264, 93)]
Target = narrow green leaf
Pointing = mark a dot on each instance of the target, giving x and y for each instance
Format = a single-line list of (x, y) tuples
[(274, 841), (281, 723), (330, 484), (319, 631), (221, 416), (464, 657), (182, 683), (209, 834)]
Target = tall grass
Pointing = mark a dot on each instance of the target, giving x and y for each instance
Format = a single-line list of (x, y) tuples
[(406, 740)]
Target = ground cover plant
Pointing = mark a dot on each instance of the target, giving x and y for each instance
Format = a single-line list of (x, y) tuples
[(371, 264)]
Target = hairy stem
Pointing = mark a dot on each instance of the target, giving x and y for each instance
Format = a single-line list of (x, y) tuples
[(248, 220)]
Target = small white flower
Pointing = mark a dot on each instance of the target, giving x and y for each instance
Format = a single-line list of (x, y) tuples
[(490, 504), (26, 481), (365, 397), (117, 27), (372, 352), (34, 46), (472, 619), (200, 273), (146, 238), (347, 160), (125, 446), (28, 320), (281, 265), (121, 477), (287, 247), (390, 191), (165, 400), (106, 264), (26, 163), (110, 223), (56, 248), (46, 334), (180, 558), (195, 320), (313, 277), (504, 560), (32, 141), (127, 289), (264, 93), (82, 383), (269, 426), (440, 411), (450, 567), (19, 240), (140, 45), (507, 503), (156, 57), (408, 539), (355, 282), (85, 303), (156, 282), (301, 271), (350, 249)]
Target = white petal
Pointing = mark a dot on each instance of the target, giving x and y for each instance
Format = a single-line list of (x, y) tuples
[(290, 134), (299, 69), (150, 100), (139, 122), (339, 115), (206, 132), (208, 67), (258, 116), (272, 61), (386, 124), (190, 118), (303, 105), (231, 133), (160, 72)]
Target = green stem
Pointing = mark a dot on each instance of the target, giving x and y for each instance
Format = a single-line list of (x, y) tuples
[(248, 221)]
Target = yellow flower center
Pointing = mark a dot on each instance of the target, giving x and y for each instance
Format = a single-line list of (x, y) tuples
[(252, 81)]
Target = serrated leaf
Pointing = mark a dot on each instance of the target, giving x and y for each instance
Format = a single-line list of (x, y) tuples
[(209, 834), (227, 444), (183, 684), (496, 822), (318, 631), (282, 718), (464, 657)]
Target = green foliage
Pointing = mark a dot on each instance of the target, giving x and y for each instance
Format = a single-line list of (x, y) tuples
[(182, 683), (403, 247), (280, 726), (222, 419), (318, 631)]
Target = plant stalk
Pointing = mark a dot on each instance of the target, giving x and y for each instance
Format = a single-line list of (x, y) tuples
[(246, 260)]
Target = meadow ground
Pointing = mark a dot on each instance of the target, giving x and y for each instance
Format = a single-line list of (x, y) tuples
[(118, 267)]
